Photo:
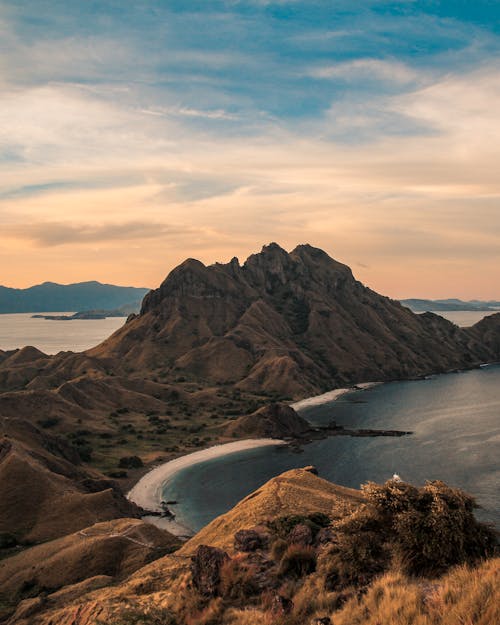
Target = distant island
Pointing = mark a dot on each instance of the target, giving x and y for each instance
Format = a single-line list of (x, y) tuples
[(122, 311), (433, 305), (51, 297)]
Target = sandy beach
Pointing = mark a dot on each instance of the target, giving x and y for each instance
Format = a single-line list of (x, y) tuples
[(147, 493), (317, 400)]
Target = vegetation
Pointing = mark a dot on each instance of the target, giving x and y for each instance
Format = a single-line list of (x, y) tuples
[(405, 556), (138, 616), (297, 561)]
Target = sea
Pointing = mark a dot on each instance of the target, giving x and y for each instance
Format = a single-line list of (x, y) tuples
[(455, 420), (51, 337)]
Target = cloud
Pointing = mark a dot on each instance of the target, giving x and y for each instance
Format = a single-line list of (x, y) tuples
[(183, 111), (50, 234), (369, 70), (169, 128)]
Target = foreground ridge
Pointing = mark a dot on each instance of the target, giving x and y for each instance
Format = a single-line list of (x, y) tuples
[(302, 550)]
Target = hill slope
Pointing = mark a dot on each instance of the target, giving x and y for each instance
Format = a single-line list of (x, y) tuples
[(248, 583)]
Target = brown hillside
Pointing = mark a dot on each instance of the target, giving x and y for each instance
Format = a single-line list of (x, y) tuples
[(46, 492), (465, 595), (113, 548)]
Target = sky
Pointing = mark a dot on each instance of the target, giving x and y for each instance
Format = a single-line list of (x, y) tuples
[(135, 134)]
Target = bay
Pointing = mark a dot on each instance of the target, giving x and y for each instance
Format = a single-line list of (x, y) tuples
[(456, 423)]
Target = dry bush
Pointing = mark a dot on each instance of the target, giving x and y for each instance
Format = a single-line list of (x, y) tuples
[(237, 581), (211, 614), (359, 553), (298, 561), (250, 616), (312, 600), (430, 529), (390, 599), (282, 526), (278, 549), (468, 596), (151, 615)]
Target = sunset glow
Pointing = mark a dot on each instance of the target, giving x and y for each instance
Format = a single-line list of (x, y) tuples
[(136, 134)]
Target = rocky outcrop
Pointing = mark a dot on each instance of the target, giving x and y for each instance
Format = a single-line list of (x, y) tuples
[(250, 540), (275, 421), (206, 565)]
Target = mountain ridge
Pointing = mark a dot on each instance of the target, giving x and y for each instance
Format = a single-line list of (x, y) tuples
[(293, 323), (54, 297)]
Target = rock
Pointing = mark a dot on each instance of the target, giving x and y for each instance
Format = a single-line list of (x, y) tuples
[(249, 540), (301, 534), (281, 606), (325, 535), (324, 620), (311, 469), (205, 568)]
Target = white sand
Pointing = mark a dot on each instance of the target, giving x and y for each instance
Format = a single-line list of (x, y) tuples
[(147, 493), (317, 400)]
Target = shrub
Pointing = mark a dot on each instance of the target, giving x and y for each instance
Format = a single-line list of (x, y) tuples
[(7, 540), (130, 462), (298, 561), (282, 526), (431, 528), (49, 422), (278, 549), (423, 531), (145, 616), (237, 581)]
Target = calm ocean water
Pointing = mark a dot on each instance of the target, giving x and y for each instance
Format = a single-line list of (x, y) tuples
[(456, 423), (464, 318), (18, 330)]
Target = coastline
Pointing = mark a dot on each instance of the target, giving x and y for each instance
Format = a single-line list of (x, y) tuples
[(317, 400), (147, 492)]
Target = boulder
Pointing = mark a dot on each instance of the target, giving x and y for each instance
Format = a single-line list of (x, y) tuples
[(205, 568), (249, 540)]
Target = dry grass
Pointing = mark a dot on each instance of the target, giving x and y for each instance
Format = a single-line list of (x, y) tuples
[(297, 561), (465, 596)]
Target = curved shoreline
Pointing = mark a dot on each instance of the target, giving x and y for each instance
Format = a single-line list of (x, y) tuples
[(147, 493), (317, 400)]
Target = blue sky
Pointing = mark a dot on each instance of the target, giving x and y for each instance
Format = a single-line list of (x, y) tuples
[(166, 129)]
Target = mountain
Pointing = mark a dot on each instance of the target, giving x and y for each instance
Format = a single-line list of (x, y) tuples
[(293, 324), (83, 296), (424, 305)]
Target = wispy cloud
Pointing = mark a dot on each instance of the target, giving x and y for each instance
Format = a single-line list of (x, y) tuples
[(369, 69), (48, 234), (183, 111), (369, 129)]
